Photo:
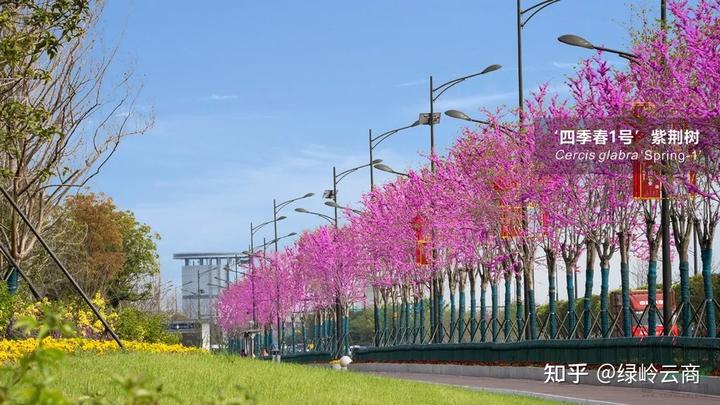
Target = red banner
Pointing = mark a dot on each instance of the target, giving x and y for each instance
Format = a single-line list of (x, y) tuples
[(420, 241), (510, 221), (645, 186)]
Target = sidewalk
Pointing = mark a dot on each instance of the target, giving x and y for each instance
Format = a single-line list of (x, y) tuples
[(574, 393)]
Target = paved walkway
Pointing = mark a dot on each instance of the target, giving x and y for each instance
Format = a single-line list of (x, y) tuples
[(577, 393)]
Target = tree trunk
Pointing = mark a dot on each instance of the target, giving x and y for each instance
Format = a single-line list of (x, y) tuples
[(706, 235), (507, 320), (303, 332), (473, 304), (416, 310), (453, 313), (494, 315), (422, 320), (519, 315), (441, 310), (589, 274), (552, 304), (708, 288), (604, 297), (529, 276), (571, 298), (376, 318), (461, 308), (384, 337), (684, 295)]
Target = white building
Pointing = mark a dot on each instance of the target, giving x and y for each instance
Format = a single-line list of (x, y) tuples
[(204, 275)]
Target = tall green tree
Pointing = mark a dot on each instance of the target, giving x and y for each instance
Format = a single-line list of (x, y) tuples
[(141, 264), (107, 250), (63, 115)]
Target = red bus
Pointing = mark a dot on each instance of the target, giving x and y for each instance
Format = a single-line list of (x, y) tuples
[(639, 307)]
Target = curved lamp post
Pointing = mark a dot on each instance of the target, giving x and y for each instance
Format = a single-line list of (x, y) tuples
[(333, 222), (523, 17), (338, 206), (251, 258), (433, 118), (578, 41), (575, 40), (462, 116), (377, 140), (337, 177), (388, 169), (276, 209), (323, 216)]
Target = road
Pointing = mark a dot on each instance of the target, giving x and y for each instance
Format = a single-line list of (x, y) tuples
[(577, 393)]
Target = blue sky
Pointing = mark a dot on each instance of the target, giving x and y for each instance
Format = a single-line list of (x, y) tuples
[(258, 100)]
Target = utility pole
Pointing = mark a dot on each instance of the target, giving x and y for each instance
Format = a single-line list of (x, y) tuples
[(665, 228)]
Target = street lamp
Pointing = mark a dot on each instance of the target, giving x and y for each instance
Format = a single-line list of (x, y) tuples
[(521, 21), (388, 169), (276, 209), (433, 118), (336, 205), (201, 291), (373, 143), (574, 40), (251, 261), (377, 140), (323, 216), (462, 116), (337, 177), (522, 18)]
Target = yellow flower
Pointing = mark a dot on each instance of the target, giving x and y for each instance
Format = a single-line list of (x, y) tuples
[(12, 350)]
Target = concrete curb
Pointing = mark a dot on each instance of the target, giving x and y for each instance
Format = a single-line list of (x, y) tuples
[(539, 395), (706, 386)]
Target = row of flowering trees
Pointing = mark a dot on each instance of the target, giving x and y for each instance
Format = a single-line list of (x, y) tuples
[(517, 194)]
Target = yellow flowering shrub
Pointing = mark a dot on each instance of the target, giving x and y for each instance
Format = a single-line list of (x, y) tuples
[(12, 350)]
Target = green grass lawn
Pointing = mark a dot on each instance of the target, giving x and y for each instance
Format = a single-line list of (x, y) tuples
[(197, 379)]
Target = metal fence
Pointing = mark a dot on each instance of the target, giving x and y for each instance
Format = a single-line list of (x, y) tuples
[(587, 336), (650, 350)]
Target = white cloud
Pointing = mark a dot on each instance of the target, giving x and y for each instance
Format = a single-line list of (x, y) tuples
[(412, 83), (223, 97), (564, 65), (474, 102)]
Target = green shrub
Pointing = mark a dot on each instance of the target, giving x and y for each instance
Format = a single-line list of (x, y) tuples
[(6, 308), (134, 324)]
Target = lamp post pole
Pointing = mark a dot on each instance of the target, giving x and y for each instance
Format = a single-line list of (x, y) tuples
[(252, 273), (197, 294), (436, 290), (373, 142), (251, 264), (664, 200), (337, 177), (276, 209), (528, 251), (665, 229), (335, 181), (432, 125), (338, 316), (521, 101), (370, 148), (277, 279)]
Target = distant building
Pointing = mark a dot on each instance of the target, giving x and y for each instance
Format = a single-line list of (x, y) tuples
[(204, 275)]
